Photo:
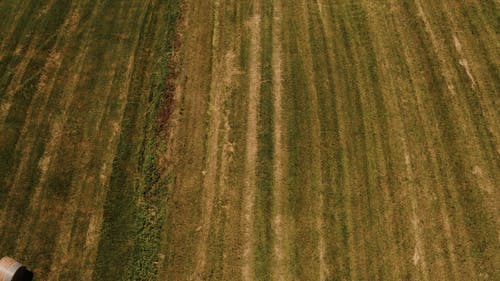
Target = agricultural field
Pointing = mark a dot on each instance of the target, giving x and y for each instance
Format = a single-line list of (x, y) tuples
[(81, 83), (251, 140)]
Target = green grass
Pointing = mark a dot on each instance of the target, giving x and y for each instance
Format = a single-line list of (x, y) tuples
[(135, 210)]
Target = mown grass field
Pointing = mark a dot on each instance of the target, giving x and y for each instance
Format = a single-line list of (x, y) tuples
[(336, 140), (81, 84), (266, 140)]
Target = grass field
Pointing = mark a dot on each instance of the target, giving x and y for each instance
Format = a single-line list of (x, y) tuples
[(250, 140), (81, 83)]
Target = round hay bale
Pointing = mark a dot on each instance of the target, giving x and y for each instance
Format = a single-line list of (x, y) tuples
[(11, 270)]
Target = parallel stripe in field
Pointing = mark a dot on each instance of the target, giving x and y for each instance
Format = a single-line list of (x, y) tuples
[(225, 216), (370, 164), (316, 141), (28, 134), (344, 112), (7, 22), (66, 224), (35, 121), (5, 9), (62, 248), (327, 27), (51, 105), (115, 123), (485, 118), (186, 211), (214, 248), (470, 147), (20, 12), (33, 48), (81, 204), (13, 94), (355, 163), (85, 158), (211, 164), (249, 190), (224, 194), (461, 109), (389, 66), (383, 161), (44, 89), (281, 246), (110, 119), (431, 144), (11, 185), (419, 257), (12, 89), (232, 244)]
